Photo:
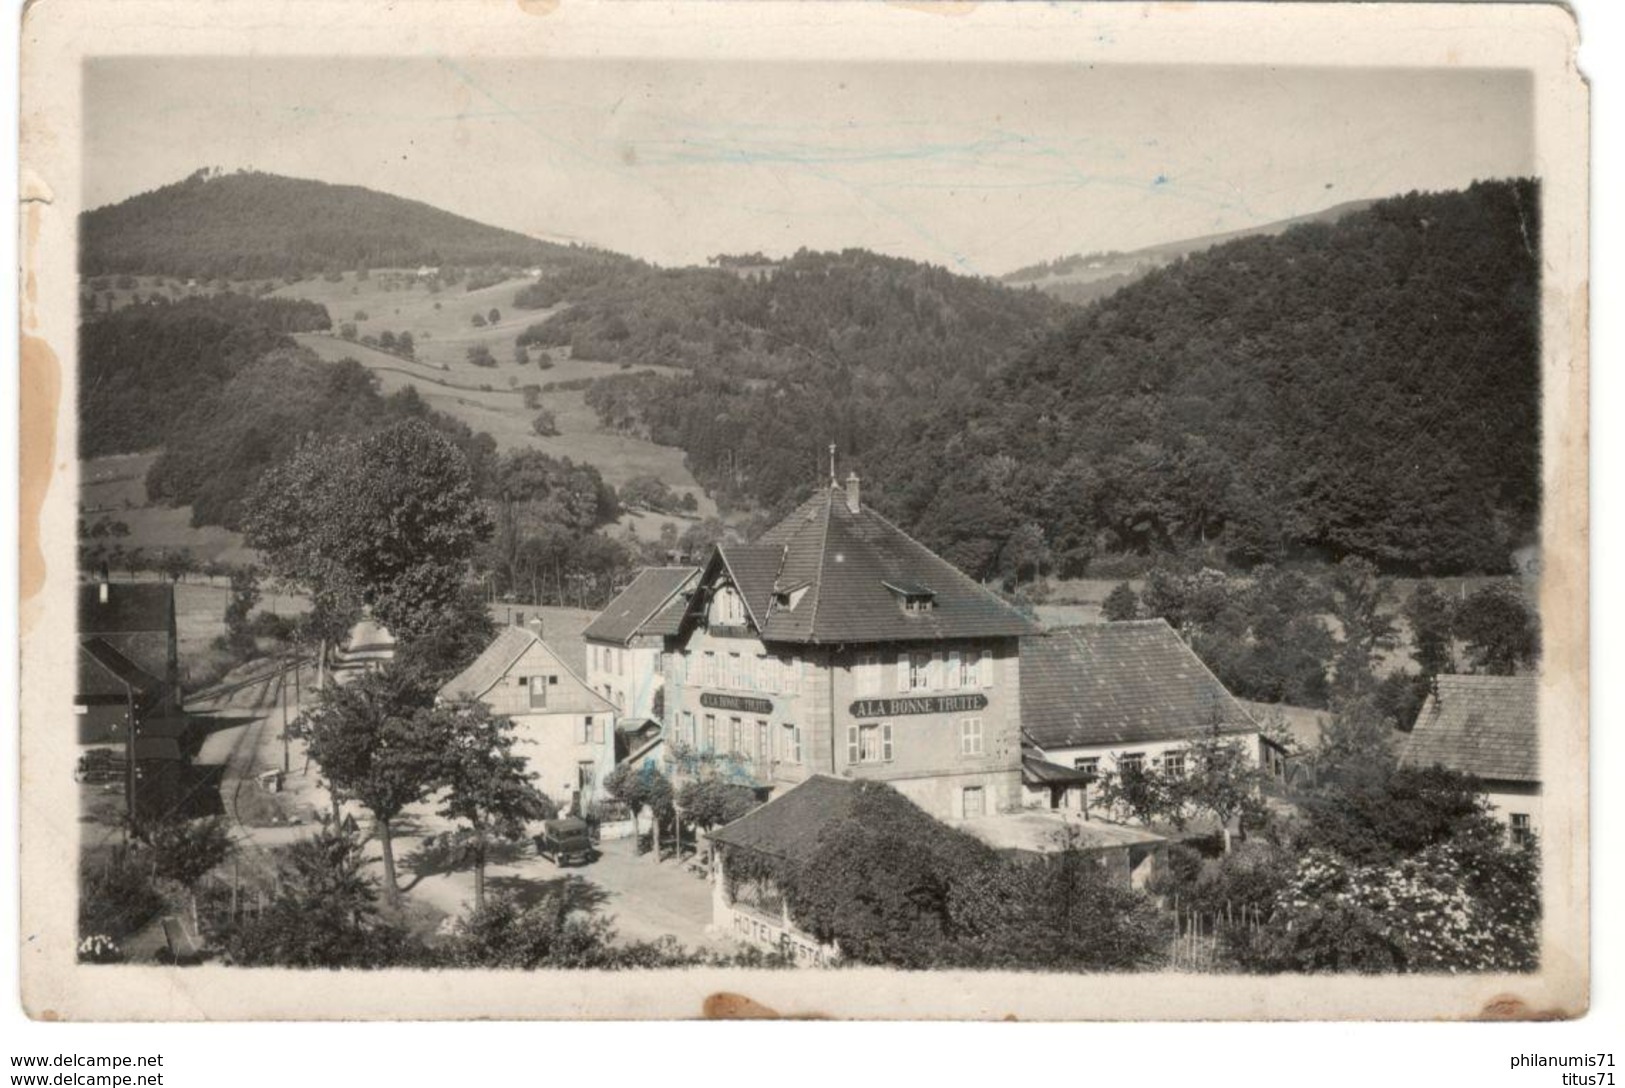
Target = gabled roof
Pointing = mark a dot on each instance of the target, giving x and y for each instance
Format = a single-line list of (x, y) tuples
[(130, 606), (105, 671), (846, 559), (754, 569), (497, 659), (1119, 683), (789, 825), (1487, 726), (650, 592)]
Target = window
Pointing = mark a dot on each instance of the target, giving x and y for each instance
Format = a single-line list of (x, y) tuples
[(970, 737), (789, 675), (736, 671), (1130, 761), (538, 692), (973, 802), (767, 673), (869, 743), (970, 669), (584, 774), (687, 734), (729, 610), (736, 737), (919, 671), (1090, 764), (710, 732), (586, 730), (868, 678), (1173, 764), (709, 676), (790, 743), (1522, 833), (764, 743)]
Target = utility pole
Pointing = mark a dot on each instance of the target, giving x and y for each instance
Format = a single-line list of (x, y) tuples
[(285, 756)]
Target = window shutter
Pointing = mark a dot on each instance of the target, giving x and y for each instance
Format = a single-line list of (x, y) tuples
[(936, 679), (902, 671), (985, 666), (953, 679), (599, 737), (851, 744), (885, 741)]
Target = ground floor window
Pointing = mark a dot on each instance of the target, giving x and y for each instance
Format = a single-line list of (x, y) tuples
[(1131, 761), (1521, 831), (973, 801), (1173, 764), (791, 742), (764, 750), (584, 773)]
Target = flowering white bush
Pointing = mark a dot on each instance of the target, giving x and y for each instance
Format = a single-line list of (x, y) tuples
[(1418, 914)]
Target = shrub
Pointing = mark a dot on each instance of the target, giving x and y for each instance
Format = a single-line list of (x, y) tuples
[(117, 895)]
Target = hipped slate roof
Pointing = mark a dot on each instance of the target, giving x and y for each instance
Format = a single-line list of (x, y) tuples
[(845, 560), (1487, 726), (129, 607), (789, 825), (1110, 684), (624, 617)]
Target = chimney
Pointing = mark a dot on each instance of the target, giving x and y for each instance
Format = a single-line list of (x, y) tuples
[(852, 492), (535, 626)]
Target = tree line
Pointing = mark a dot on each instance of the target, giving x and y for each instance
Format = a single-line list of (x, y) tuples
[(141, 367)]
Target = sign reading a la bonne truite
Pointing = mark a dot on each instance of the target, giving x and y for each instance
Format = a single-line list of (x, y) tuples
[(928, 704), (736, 702)]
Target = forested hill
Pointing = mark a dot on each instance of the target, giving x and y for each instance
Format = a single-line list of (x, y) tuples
[(1367, 387), (240, 225), (1085, 277), (821, 347)]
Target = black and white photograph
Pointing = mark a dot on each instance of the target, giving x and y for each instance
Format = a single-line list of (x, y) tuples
[(534, 510)]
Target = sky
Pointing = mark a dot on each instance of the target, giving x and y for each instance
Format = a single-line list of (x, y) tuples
[(980, 168)]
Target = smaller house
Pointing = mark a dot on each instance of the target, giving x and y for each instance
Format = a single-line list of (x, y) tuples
[(624, 649), (1113, 695), (785, 829), (137, 620), (1488, 727), (112, 692), (564, 729)]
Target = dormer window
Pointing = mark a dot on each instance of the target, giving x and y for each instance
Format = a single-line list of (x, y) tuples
[(912, 596), (790, 596)]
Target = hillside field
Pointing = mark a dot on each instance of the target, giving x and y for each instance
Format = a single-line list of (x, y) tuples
[(443, 331)]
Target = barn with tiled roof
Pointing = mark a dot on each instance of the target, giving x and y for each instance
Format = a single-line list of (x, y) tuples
[(1098, 697), (1487, 727)]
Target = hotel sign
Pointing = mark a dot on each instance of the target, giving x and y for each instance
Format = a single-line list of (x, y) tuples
[(928, 704), (742, 703)]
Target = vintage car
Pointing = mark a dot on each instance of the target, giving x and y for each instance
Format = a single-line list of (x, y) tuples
[(565, 839)]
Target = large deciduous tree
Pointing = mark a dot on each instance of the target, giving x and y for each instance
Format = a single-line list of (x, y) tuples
[(487, 785), (1500, 630), (390, 520), (379, 742)]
